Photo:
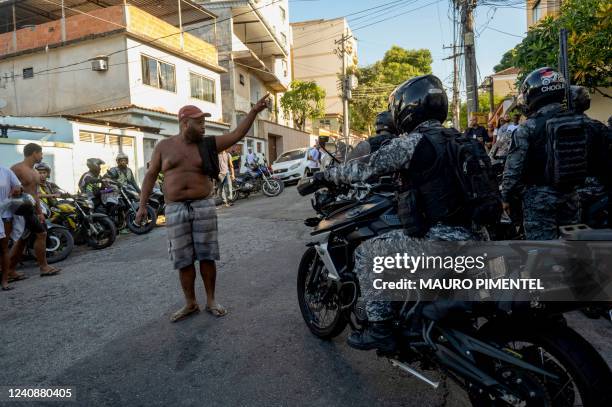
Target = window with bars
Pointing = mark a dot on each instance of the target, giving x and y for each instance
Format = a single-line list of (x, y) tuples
[(105, 139), (202, 87), (158, 74)]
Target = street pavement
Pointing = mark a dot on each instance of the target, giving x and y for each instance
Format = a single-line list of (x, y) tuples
[(102, 326)]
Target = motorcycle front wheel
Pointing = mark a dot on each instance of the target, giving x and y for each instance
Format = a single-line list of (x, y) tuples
[(59, 244), (272, 187), (320, 308), (147, 226), (106, 236)]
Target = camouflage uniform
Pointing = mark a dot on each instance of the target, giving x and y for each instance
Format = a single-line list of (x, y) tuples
[(392, 157), (544, 207), (389, 244), (502, 145)]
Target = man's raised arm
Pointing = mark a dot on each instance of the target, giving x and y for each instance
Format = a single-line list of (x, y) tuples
[(227, 140)]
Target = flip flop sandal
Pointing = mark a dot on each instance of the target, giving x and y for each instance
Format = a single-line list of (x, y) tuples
[(8, 288), (217, 310), (184, 313), (53, 272), (18, 278)]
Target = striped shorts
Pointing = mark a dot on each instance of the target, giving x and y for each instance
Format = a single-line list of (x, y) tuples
[(192, 231)]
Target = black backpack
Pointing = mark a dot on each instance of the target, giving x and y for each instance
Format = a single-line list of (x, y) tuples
[(475, 176), (566, 150)]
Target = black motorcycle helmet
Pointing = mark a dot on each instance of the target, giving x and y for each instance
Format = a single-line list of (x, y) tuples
[(384, 123), (542, 87), (581, 98), (417, 100), (94, 165)]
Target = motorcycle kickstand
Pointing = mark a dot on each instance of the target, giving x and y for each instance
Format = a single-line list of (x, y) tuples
[(407, 368)]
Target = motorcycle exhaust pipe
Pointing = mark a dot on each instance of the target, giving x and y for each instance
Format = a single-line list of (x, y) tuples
[(415, 373)]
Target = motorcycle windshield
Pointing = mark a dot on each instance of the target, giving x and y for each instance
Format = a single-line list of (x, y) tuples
[(360, 152)]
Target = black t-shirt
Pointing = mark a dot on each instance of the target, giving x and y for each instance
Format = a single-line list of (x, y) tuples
[(210, 157), (478, 132)]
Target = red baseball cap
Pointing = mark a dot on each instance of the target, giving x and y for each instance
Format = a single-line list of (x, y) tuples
[(191, 111)]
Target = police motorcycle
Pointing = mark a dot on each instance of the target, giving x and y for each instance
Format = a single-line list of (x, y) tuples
[(257, 178), (526, 356)]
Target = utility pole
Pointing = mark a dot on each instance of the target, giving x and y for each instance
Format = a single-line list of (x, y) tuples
[(346, 87), (456, 106), (471, 78)]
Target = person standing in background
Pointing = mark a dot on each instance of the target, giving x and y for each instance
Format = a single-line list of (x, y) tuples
[(226, 176)]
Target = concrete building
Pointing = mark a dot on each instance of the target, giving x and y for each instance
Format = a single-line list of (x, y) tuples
[(253, 40), (315, 59), (538, 9), (117, 63), (69, 140), (504, 82)]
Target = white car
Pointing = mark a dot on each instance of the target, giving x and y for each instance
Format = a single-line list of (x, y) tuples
[(291, 165)]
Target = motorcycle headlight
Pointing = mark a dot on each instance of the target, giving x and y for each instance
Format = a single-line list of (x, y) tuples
[(294, 166), (89, 203)]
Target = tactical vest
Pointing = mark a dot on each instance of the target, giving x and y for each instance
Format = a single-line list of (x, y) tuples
[(429, 183)]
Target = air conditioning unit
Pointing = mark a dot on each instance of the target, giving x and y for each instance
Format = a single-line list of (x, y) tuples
[(99, 63)]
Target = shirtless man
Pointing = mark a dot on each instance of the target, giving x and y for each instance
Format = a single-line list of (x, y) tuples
[(191, 217), (34, 222)]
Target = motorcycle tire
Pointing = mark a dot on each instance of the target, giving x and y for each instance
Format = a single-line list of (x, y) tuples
[(109, 227), (572, 353), (268, 188), (59, 244), (147, 227), (335, 328)]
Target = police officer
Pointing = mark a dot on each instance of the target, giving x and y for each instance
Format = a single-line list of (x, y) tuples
[(418, 107), (385, 131), (122, 173), (545, 206), (594, 188)]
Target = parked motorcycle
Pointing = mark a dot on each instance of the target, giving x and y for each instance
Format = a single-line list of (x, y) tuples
[(120, 202), (157, 202), (259, 178), (527, 358), (76, 213), (59, 243)]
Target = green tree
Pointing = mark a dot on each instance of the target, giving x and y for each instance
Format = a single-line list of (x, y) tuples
[(506, 62), (589, 47), (304, 100), (378, 80)]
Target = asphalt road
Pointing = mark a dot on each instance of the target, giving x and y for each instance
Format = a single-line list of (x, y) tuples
[(102, 326)]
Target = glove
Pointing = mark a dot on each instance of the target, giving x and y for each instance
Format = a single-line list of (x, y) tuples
[(319, 178)]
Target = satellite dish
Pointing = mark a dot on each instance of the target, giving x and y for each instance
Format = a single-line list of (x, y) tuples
[(147, 120), (3, 103)]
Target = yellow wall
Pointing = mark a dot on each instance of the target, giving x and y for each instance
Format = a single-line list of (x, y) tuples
[(601, 106)]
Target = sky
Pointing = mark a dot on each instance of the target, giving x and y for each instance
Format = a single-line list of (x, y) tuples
[(429, 26)]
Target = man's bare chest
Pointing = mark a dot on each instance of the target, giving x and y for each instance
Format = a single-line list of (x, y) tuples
[(182, 157)]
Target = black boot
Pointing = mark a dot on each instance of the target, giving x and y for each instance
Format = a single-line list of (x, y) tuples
[(378, 335)]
